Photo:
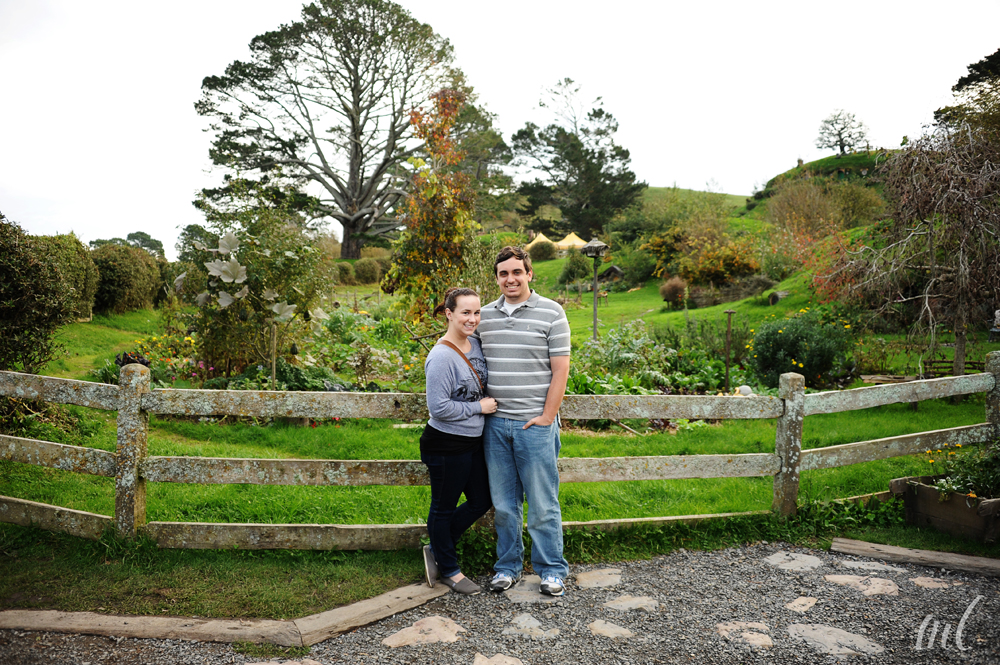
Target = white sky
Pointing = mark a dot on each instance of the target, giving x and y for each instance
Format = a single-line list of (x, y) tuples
[(98, 133)]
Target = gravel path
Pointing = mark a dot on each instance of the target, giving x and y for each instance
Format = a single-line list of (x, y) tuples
[(689, 596)]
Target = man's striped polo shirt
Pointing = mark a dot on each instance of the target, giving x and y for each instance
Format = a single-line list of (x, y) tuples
[(517, 349)]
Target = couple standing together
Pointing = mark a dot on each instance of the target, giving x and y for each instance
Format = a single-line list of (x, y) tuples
[(510, 361)]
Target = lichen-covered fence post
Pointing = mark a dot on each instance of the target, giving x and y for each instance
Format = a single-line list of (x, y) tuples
[(993, 397), (788, 443), (133, 425)]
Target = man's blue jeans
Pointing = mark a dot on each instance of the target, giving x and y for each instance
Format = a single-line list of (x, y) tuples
[(522, 463)]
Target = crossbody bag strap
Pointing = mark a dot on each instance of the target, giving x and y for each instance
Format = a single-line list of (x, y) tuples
[(459, 352)]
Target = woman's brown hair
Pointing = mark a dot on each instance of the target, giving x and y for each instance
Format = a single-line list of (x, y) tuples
[(451, 296)]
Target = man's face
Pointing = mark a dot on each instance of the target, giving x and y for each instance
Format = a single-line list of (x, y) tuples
[(513, 280)]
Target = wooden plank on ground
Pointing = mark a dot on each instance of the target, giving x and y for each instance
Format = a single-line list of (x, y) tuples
[(282, 633), (221, 536), (970, 564), (318, 627), (863, 398), (57, 456), (53, 518), (215, 470), (893, 446), (601, 469), (59, 391)]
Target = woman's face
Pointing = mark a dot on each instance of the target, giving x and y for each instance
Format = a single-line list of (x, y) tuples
[(464, 319)]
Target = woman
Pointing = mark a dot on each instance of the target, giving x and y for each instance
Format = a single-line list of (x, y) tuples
[(452, 443)]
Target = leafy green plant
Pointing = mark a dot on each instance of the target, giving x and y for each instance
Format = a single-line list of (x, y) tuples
[(345, 273), (367, 271), (577, 267), (543, 251), (974, 472), (129, 278), (76, 267), (800, 344)]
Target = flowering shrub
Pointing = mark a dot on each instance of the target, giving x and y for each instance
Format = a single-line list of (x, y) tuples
[(974, 473), (716, 261), (800, 344)]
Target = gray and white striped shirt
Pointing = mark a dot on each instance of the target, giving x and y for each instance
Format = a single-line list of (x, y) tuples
[(517, 349)]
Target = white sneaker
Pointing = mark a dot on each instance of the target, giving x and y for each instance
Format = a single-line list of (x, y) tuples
[(552, 586), (503, 581)]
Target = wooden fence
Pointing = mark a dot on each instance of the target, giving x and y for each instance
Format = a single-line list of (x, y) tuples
[(132, 467)]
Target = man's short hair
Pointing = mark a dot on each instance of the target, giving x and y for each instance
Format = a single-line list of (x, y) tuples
[(511, 252)]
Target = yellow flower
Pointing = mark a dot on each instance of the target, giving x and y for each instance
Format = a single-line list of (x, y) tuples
[(931, 461), (958, 445), (781, 331), (952, 453), (972, 495), (848, 326), (801, 365)]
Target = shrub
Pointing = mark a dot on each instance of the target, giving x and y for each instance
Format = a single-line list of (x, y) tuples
[(345, 272), (718, 261), (543, 251), (384, 263), (672, 291), (367, 271), (802, 205), (858, 205), (577, 267), (801, 344), (76, 266), (34, 301), (638, 265), (374, 252), (129, 278)]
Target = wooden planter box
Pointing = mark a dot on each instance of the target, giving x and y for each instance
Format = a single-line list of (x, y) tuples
[(958, 515)]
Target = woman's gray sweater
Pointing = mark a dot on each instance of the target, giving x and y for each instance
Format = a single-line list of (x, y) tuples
[(453, 392)]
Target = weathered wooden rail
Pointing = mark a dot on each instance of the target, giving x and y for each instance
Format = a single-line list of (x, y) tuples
[(132, 467)]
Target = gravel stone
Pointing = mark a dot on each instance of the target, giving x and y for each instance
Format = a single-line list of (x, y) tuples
[(695, 591)]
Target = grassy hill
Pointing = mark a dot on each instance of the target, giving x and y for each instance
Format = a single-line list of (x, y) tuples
[(654, 194)]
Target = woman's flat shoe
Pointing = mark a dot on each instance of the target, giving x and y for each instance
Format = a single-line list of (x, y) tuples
[(430, 566), (464, 586)]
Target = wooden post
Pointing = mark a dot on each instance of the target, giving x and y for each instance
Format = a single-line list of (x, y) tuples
[(788, 443), (133, 425), (993, 396)]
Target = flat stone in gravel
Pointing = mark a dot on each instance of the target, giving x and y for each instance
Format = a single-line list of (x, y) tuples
[(833, 641), (525, 625), (594, 579), (628, 603), (934, 583), (869, 586), (801, 604), (307, 661), (751, 632), (425, 631), (873, 565), (498, 659), (793, 561), (527, 591), (606, 629)]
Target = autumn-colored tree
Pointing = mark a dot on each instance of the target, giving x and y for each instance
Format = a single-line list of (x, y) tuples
[(427, 258)]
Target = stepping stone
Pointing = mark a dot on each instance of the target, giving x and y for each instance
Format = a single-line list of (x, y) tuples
[(934, 583), (750, 632), (426, 631), (873, 565), (627, 603), (498, 659), (594, 579), (525, 625), (307, 661), (869, 586), (527, 591), (604, 629), (802, 604), (833, 641), (794, 561)]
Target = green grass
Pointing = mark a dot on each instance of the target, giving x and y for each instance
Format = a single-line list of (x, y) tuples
[(654, 194), (86, 345)]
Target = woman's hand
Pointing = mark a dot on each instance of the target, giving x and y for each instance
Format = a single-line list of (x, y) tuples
[(488, 405)]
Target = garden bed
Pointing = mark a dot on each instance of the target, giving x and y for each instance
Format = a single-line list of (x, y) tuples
[(949, 512)]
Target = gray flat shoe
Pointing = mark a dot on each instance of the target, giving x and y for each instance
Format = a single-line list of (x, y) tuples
[(430, 566), (464, 586)]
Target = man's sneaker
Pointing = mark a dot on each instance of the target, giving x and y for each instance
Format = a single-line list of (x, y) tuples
[(503, 581), (552, 586)]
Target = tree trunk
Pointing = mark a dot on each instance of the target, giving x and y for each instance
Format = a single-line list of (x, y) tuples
[(350, 246)]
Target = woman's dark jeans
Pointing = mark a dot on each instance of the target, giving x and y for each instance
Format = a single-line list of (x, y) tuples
[(451, 475)]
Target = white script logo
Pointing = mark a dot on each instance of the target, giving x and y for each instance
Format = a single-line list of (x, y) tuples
[(945, 633)]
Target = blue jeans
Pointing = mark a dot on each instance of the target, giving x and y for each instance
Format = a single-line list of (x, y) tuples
[(522, 463), (451, 475)]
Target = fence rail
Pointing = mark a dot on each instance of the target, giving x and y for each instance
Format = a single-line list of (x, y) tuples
[(132, 467)]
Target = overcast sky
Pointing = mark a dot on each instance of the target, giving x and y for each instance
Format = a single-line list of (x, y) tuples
[(98, 133)]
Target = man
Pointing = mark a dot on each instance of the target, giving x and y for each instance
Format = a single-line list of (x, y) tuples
[(525, 340)]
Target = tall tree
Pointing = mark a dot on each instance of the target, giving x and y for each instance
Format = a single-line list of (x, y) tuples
[(327, 99), (138, 239), (841, 131), (977, 96), (585, 173), (941, 248)]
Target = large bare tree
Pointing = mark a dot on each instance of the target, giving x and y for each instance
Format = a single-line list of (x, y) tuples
[(327, 100), (941, 247), (841, 131)]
